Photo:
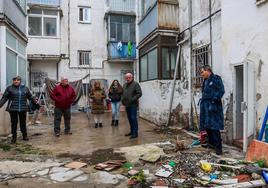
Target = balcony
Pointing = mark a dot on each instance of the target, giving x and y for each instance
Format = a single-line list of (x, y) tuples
[(127, 6), (121, 51), (161, 15), (44, 2)]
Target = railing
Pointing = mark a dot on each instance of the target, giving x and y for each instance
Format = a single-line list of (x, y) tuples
[(121, 5), (122, 50), (45, 2)]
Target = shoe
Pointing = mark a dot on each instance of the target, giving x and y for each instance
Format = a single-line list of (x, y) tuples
[(133, 136), (96, 125), (100, 125), (68, 133), (113, 123), (57, 134), (116, 123), (25, 137), (14, 140), (129, 134), (219, 152)]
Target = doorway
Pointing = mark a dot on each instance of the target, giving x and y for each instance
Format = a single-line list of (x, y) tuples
[(238, 100)]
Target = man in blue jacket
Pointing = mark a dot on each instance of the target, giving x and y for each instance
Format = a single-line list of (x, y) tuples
[(211, 111)]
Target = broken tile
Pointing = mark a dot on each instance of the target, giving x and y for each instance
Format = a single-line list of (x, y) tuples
[(43, 172), (75, 165), (58, 169)]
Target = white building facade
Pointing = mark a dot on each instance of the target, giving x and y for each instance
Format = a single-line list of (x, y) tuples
[(72, 38)]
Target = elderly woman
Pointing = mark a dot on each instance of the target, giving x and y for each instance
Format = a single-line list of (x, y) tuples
[(98, 96)]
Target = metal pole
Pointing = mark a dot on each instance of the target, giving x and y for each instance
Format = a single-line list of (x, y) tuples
[(174, 83)]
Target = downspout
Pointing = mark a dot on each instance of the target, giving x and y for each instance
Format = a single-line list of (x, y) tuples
[(191, 61), (210, 33)]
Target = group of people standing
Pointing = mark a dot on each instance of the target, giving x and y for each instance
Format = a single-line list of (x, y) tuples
[(64, 96), (128, 94), (211, 111)]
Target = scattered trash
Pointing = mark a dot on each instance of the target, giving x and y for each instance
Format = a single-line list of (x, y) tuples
[(220, 182), (75, 165), (172, 163), (138, 178), (127, 166), (109, 165), (159, 182), (205, 166), (165, 171), (243, 178), (178, 181), (133, 172)]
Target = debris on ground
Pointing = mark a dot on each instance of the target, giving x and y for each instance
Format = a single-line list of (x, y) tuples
[(75, 165), (109, 165)]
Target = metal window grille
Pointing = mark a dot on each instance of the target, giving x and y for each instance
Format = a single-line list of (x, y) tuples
[(38, 78), (84, 58), (200, 58)]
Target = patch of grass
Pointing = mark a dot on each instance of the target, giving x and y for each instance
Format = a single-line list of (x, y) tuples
[(5, 147), (29, 149)]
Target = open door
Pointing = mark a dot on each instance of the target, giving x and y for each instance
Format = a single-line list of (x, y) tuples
[(248, 105)]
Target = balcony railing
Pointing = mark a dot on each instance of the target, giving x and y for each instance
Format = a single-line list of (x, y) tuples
[(45, 2), (122, 50)]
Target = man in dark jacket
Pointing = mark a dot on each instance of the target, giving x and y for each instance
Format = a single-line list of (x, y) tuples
[(131, 93), (211, 111), (64, 96), (17, 95)]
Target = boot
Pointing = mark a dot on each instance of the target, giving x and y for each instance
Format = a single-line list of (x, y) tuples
[(25, 137), (116, 123), (100, 125), (96, 125), (14, 139), (113, 123)]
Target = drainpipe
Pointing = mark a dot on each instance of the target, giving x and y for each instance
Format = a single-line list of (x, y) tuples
[(191, 60), (210, 33), (174, 83)]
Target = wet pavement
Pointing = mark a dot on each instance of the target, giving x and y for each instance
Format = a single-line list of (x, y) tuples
[(86, 138)]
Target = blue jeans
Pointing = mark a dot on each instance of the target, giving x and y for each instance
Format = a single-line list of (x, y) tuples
[(115, 110), (132, 118)]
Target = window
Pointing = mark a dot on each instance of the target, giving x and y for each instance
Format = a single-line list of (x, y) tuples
[(146, 5), (169, 56), (200, 58), (43, 23), (16, 63), (84, 57), (122, 28), (38, 78), (84, 14), (148, 66)]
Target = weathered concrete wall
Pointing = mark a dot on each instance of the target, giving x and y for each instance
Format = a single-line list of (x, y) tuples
[(83, 37), (244, 36), (154, 103)]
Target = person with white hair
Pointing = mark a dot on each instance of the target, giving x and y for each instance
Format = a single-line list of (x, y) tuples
[(131, 94), (63, 95)]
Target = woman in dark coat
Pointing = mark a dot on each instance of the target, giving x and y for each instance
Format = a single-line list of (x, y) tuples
[(115, 93), (211, 111), (17, 95), (98, 96)]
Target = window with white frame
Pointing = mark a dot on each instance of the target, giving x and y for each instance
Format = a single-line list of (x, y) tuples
[(43, 23), (84, 14), (84, 58), (200, 58)]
